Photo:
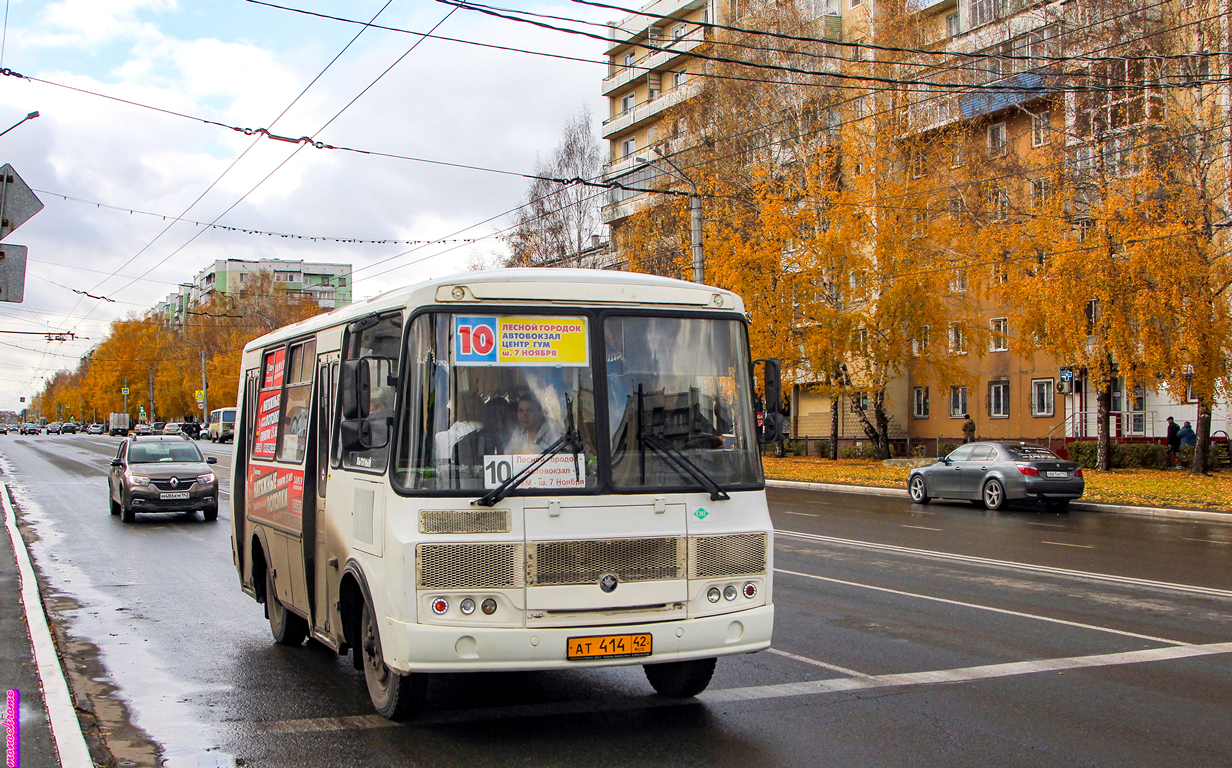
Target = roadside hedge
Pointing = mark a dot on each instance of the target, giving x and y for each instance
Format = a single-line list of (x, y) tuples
[(1124, 455)]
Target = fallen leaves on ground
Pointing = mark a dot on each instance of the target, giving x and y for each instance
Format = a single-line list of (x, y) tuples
[(1144, 487)]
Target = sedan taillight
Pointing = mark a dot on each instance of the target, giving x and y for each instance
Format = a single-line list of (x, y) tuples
[(1028, 470), (1078, 472)]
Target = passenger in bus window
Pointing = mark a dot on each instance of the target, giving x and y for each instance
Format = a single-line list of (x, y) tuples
[(459, 450), (534, 432)]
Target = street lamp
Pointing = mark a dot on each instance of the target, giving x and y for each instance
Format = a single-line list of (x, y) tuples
[(30, 116), (695, 212), (205, 392)]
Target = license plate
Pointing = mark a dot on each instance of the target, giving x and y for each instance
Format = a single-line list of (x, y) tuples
[(173, 495), (608, 647), (1058, 474)]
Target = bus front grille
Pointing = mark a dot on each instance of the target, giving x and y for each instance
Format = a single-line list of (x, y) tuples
[(469, 566), (465, 521), (740, 554), (586, 561)]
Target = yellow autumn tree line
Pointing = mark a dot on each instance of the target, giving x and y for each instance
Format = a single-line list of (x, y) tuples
[(161, 362), (867, 240)]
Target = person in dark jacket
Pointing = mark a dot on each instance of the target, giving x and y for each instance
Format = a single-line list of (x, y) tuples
[(1187, 435), (1174, 441)]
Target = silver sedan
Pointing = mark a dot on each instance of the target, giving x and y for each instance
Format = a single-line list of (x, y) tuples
[(997, 473)]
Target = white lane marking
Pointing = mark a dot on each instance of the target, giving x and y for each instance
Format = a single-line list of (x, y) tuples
[(1050, 525), (979, 607), (972, 560), (920, 527), (1063, 544), (65, 728), (816, 663), (801, 514), (1209, 541), (966, 674), (753, 693)]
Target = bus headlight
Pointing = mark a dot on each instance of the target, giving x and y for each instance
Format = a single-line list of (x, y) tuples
[(713, 594), (729, 592), (488, 607), (467, 606)]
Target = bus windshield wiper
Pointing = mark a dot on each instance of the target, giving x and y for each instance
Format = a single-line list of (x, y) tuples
[(572, 438), (683, 465), (672, 454)]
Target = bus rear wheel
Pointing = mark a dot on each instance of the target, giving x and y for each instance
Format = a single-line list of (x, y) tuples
[(394, 696), (680, 679), (287, 627)]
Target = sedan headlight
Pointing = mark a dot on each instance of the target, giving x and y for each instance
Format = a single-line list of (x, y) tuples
[(139, 480), (206, 479)]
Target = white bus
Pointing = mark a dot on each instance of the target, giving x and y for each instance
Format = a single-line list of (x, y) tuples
[(508, 470)]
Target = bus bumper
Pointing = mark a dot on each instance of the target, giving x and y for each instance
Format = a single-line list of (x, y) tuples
[(428, 648)]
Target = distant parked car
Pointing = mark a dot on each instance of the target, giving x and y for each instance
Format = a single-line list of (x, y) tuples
[(54, 428), (142, 429), (68, 428), (996, 473), (172, 428), (95, 429)]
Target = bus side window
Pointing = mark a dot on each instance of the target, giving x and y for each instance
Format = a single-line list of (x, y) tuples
[(381, 339), (325, 414)]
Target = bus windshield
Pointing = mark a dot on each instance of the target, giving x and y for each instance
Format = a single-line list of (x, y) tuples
[(679, 386)]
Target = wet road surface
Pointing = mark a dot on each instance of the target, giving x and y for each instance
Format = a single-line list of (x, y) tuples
[(905, 635)]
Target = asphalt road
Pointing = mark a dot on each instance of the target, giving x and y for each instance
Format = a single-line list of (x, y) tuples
[(905, 636)]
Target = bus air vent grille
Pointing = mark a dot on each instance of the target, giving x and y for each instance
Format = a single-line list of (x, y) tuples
[(469, 566), (741, 554), (465, 521), (587, 561)]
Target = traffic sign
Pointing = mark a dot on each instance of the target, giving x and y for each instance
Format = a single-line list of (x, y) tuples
[(124, 391), (200, 394), (17, 201), (12, 273)]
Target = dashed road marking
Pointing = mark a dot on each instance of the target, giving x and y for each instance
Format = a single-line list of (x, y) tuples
[(1063, 544), (920, 527)]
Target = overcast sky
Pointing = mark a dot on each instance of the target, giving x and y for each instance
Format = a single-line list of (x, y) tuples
[(241, 64)]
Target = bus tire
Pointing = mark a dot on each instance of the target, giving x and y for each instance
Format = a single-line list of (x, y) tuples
[(287, 627), (394, 696), (680, 679)]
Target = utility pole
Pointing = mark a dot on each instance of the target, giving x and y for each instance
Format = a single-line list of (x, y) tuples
[(695, 214), (126, 395), (152, 418)]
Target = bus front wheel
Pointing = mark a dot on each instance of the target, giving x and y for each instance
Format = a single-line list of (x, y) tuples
[(680, 679), (394, 696)]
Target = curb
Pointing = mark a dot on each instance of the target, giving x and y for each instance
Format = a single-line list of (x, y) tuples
[(1080, 506)]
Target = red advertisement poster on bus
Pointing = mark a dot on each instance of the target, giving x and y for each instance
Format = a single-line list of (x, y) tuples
[(275, 366), (266, 442), (277, 496)]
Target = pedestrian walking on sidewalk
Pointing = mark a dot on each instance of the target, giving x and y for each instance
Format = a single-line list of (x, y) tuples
[(1174, 442), (968, 429)]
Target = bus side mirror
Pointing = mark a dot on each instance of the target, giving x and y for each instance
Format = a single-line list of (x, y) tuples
[(355, 435), (355, 388), (772, 384)]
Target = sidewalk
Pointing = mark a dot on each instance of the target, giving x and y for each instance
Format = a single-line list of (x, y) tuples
[(1078, 506), (18, 670)]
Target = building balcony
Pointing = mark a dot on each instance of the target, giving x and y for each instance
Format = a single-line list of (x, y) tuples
[(631, 28), (645, 111), (657, 60)]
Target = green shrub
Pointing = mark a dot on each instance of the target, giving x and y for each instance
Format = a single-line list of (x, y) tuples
[(1214, 455), (945, 449), (862, 450), (1085, 452), (1144, 455)]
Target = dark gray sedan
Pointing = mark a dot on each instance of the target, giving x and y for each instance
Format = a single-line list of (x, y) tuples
[(997, 473)]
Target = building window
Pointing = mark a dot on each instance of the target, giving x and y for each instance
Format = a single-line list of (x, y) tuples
[(919, 345), (996, 140), (958, 402), (958, 281), (342, 282), (1190, 397), (1041, 397), (629, 59), (859, 402), (1041, 129), (920, 398), (679, 78), (981, 11), (856, 3), (243, 277), (1000, 334), (628, 147), (999, 399), (1041, 190), (1092, 312), (952, 27), (679, 31), (628, 102), (998, 204), (958, 153), (918, 166), (958, 339)]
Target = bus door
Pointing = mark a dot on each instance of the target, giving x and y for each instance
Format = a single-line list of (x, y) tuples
[(326, 540), (357, 487), (276, 481), (244, 429)]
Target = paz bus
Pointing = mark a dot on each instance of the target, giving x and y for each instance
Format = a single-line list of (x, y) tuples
[(509, 470)]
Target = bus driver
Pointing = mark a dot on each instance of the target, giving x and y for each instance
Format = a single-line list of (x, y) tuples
[(533, 432)]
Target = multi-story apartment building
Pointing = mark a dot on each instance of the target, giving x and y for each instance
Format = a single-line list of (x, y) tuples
[(326, 283)]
